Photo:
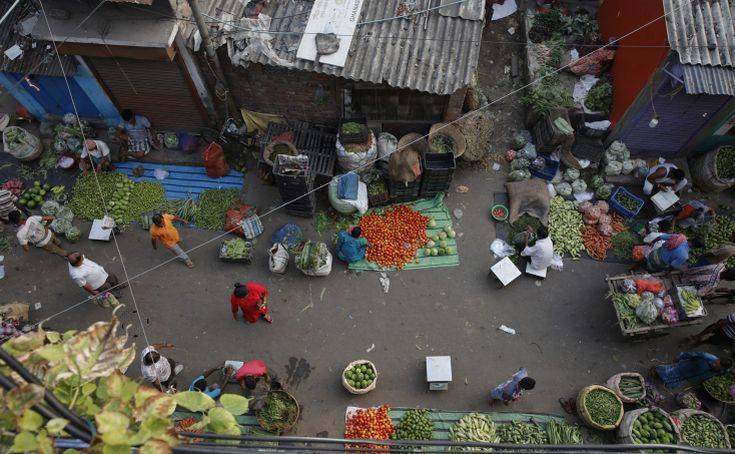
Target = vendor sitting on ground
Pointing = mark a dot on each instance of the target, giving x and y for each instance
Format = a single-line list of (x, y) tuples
[(691, 368), (692, 213), (351, 246), (662, 253), (98, 153), (706, 279), (136, 135), (664, 176), (511, 390), (722, 332), (542, 252), (214, 391)]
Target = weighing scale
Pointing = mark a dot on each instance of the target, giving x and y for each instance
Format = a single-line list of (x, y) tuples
[(506, 271), (438, 372), (98, 231)]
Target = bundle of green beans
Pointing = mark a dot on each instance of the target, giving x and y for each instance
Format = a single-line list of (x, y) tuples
[(522, 433), (626, 313), (603, 407), (631, 387), (561, 433), (184, 208), (213, 205), (703, 432)]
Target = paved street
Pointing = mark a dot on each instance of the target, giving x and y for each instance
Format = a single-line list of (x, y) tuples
[(567, 333)]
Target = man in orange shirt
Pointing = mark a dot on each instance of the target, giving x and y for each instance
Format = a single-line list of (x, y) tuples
[(164, 231)]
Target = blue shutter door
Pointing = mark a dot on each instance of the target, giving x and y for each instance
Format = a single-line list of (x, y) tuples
[(53, 95)]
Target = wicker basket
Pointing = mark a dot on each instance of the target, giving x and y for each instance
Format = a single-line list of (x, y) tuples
[(614, 384), (268, 150), (584, 414), (685, 413), (625, 431), (704, 173), (281, 427), (354, 390), (453, 132)]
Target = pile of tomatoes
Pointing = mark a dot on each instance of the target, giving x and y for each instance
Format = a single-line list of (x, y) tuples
[(394, 236), (370, 424)]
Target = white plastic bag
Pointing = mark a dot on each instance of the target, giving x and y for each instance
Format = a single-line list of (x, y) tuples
[(324, 270), (358, 162), (557, 262), (160, 174), (278, 258), (345, 206), (501, 248), (387, 144)]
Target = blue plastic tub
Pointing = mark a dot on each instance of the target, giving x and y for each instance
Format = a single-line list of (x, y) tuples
[(621, 209), (548, 172)]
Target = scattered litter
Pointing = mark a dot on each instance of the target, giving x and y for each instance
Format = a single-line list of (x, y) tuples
[(417, 347), (307, 307), (37, 306), (496, 166), (457, 213), (512, 31), (385, 282), (321, 296), (466, 381), (506, 69), (462, 189), (370, 349), (13, 52), (504, 10), (538, 283), (506, 329)]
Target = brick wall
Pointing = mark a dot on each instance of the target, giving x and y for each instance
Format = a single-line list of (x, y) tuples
[(295, 94)]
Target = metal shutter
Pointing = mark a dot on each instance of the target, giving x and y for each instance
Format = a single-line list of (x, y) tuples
[(159, 90)]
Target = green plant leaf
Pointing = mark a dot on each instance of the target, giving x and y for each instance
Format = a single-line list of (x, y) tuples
[(45, 445), (71, 451), (69, 334), (109, 421), (156, 425), (221, 421), (31, 421), (155, 447), (23, 397), (56, 425), (53, 337), (144, 393), (25, 343), (235, 403), (194, 400), (118, 437), (24, 442), (117, 385), (52, 353), (88, 388), (98, 351), (159, 405), (116, 449)]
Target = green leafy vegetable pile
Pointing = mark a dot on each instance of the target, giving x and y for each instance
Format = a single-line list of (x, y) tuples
[(561, 433), (725, 162), (126, 200), (236, 248), (522, 433), (623, 243), (600, 97)]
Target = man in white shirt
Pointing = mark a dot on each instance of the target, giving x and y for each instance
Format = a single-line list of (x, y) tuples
[(158, 369), (89, 275), (541, 253), (99, 153), (34, 231)]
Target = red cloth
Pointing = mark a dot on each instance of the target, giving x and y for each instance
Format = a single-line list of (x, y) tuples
[(249, 304), (675, 240), (255, 368), (687, 211)]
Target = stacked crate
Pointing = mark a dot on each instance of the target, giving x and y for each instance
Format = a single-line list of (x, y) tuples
[(438, 173), (294, 179)]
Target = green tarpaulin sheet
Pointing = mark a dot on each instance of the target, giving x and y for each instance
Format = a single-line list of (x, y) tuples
[(437, 209)]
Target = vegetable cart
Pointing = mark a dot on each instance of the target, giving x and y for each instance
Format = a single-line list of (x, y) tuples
[(658, 328)]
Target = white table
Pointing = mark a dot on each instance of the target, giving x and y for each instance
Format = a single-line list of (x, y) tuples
[(98, 233), (506, 271)]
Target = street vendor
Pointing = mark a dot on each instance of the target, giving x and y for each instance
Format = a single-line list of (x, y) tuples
[(722, 332), (541, 253), (9, 204), (33, 230), (706, 279), (511, 390), (252, 299), (691, 368), (664, 176), (214, 391), (250, 373), (351, 246), (692, 213), (98, 153), (662, 253), (136, 135), (158, 369)]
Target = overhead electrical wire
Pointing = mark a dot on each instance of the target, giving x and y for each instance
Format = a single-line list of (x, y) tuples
[(464, 116)]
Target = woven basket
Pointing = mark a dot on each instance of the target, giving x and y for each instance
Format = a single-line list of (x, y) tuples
[(354, 390), (614, 384), (704, 173), (625, 431), (453, 132), (414, 141), (584, 414), (685, 413), (268, 150)]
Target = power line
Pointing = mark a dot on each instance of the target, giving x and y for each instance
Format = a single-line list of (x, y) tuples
[(467, 115), (94, 172)]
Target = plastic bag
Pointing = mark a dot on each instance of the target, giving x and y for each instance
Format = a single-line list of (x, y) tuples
[(501, 248), (160, 174), (360, 204), (602, 206), (651, 285), (233, 217), (358, 161), (214, 161), (387, 144), (528, 151), (278, 258), (290, 235), (557, 262), (519, 140), (538, 164), (324, 257), (646, 311), (659, 303), (628, 286)]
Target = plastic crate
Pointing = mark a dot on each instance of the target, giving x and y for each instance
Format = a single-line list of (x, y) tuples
[(548, 172), (402, 192), (439, 162), (245, 259), (621, 209)]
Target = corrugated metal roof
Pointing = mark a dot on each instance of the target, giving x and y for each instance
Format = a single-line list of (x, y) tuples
[(469, 9), (36, 61), (711, 80), (439, 58), (702, 31)]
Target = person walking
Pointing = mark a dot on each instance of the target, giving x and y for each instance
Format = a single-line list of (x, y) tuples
[(691, 368), (90, 276), (157, 369), (163, 230), (351, 246), (33, 230), (252, 299), (98, 153), (511, 390), (721, 332)]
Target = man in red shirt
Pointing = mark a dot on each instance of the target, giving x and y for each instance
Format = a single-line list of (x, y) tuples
[(251, 299)]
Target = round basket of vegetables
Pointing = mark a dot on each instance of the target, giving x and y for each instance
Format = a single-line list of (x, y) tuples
[(499, 212), (599, 407), (701, 429), (360, 377), (719, 387), (279, 412), (648, 426)]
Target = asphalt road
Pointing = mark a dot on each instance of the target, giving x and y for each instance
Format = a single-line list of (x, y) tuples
[(566, 331)]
